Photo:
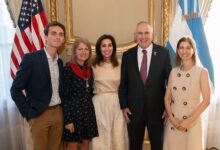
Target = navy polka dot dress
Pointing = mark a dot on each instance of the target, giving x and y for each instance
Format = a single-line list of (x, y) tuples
[(78, 107)]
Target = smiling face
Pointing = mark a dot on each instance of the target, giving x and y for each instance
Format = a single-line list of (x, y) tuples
[(185, 51), (55, 37), (106, 49), (82, 53), (144, 35)]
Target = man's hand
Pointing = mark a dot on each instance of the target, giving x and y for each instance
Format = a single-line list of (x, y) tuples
[(165, 116), (126, 114)]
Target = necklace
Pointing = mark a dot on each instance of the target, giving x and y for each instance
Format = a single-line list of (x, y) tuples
[(83, 73), (87, 83)]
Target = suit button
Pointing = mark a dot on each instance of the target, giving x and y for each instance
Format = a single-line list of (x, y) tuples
[(187, 75), (178, 75), (184, 103), (174, 88), (183, 88), (184, 117)]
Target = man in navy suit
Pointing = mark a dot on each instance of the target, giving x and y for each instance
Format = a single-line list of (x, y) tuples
[(37, 90), (144, 72)]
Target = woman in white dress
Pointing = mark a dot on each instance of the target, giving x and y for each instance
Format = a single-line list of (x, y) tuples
[(187, 96), (111, 124)]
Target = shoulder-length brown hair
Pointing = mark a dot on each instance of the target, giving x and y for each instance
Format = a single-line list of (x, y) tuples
[(75, 46), (191, 42), (99, 58)]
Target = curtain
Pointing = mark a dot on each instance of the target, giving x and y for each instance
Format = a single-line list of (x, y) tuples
[(212, 32), (13, 9), (213, 127), (11, 123)]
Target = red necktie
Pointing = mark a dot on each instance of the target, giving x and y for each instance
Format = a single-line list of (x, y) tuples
[(143, 69)]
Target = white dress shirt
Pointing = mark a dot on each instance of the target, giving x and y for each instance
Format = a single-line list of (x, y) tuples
[(54, 74)]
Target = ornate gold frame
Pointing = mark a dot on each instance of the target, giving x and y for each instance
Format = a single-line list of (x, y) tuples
[(53, 16), (166, 4), (52, 7)]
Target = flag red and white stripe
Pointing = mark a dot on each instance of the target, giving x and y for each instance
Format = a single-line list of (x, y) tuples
[(29, 35)]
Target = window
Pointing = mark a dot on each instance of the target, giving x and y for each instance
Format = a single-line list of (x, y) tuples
[(212, 33), (6, 40)]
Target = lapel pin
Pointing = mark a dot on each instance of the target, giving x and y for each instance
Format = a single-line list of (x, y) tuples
[(155, 53)]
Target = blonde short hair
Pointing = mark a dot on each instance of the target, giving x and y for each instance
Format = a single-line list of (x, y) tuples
[(75, 46)]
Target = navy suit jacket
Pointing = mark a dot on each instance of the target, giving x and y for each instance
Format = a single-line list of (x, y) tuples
[(33, 77), (145, 101)]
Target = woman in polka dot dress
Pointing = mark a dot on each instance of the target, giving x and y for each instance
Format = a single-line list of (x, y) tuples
[(79, 115)]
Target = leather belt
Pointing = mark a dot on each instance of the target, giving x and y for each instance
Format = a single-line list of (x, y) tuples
[(53, 107)]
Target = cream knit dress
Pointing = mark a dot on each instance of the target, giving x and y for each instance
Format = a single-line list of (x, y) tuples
[(186, 96)]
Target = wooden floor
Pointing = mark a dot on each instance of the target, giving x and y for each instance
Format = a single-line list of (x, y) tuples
[(146, 147), (212, 149)]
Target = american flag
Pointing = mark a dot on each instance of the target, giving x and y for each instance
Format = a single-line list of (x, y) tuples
[(29, 35)]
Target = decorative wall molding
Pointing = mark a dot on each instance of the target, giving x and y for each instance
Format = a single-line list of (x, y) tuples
[(52, 7), (121, 47), (165, 20)]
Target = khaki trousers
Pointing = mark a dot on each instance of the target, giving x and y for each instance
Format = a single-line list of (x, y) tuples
[(47, 129)]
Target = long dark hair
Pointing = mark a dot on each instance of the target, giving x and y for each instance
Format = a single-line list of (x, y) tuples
[(99, 58)]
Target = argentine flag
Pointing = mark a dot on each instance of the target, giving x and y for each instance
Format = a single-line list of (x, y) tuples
[(187, 22)]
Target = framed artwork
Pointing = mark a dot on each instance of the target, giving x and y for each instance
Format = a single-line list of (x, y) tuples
[(91, 19)]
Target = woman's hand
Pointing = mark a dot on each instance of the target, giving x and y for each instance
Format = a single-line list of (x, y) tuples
[(70, 127), (184, 125), (175, 122)]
